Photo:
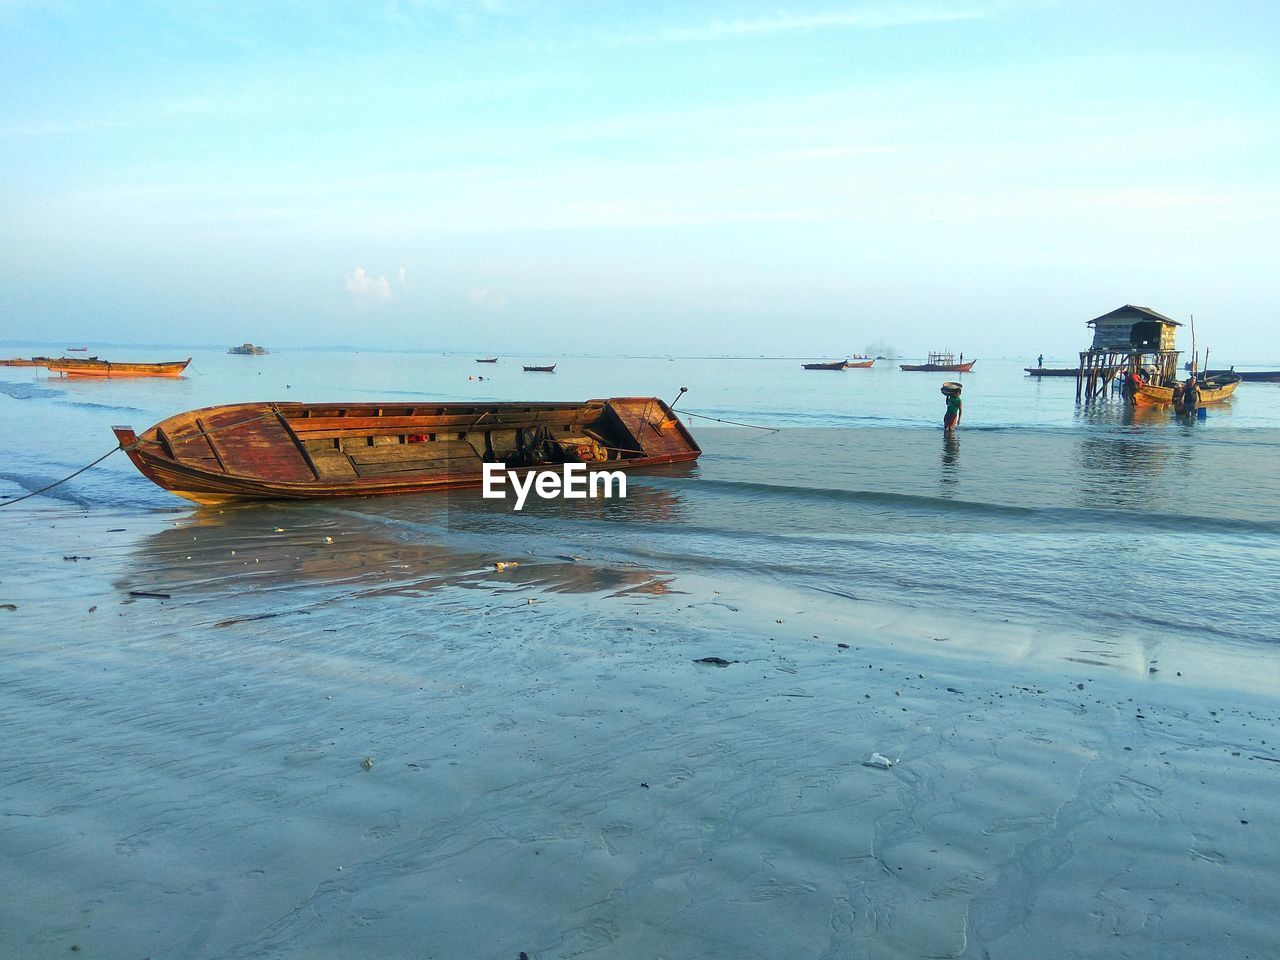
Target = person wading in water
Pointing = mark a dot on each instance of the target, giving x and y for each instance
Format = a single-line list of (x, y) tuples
[(954, 407)]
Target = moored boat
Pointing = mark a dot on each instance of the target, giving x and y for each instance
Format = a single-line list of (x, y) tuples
[(1052, 371), (77, 349), (826, 365), (20, 362), (548, 369), (1213, 389), (486, 360), (93, 367), (939, 362), (260, 451)]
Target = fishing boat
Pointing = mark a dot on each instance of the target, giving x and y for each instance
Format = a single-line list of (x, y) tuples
[(1249, 376), (93, 367), (940, 362), (1052, 371), (861, 364), (77, 349), (255, 451), (1213, 389), (826, 365), (486, 360), (550, 369)]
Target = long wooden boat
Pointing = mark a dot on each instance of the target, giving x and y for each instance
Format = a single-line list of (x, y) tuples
[(486, 360), (550, 369), (940, 361), (938, 367), (1052, 371), (77, 349), (1249, 376), (1212, 390), (258, 451), (860, 364), (826, 365), (20, 362), (93, 367)]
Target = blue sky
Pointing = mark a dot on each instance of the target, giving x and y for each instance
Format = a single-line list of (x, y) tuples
[(639, 178)]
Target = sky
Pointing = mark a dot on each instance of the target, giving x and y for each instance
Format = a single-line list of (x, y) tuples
[(781, 178)]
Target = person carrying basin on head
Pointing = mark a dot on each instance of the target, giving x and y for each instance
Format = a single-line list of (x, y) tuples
[(954, 406)]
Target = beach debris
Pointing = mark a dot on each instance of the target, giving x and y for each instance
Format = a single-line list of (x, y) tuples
[(149, 594), (842, 646), (715, 661), (954, 690), (644, 786), (277, 529), (503, 564), (74, 557), (367, 763), (122, 529), (328, 539), (94, 608), (523, 956), (879, 761), (8, 606)]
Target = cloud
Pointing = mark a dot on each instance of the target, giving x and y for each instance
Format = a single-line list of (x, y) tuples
[(361, 284), (402, 274), (482, 297), (868, 18)]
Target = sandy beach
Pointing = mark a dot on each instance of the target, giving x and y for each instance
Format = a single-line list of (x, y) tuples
[(551, 772)]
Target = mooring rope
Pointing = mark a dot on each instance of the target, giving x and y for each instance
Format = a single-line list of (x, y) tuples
[(753, 426), (34, 493)]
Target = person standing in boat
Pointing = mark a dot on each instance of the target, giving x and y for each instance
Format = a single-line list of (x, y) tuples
[(1040, 361), (954, 408)]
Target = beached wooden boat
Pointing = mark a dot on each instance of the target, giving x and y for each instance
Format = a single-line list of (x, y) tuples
[(550, 369), (1213, 389), (486, 360), (1052, 371), (258, 451), (93, 367), (939, 362), (20, 362)]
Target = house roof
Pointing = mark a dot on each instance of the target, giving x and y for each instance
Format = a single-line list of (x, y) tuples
[(1129, 310)]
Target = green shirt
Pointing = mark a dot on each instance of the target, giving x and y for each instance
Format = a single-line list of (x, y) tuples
[(953, 405)]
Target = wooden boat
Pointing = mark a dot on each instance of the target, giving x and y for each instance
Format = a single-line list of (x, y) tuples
[(93, 367), (550, 369), (826, 365), (487, 360), (1052, 371), (77, 349), (260, 451), (19, 362), (1213, 389), (940, 362), (860, 364), (1249, 376)]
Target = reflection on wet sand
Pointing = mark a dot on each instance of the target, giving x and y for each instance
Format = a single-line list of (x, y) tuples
[(386, 546)]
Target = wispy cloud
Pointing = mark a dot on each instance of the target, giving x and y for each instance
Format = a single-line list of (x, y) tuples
[(361, 283), (866, 18)]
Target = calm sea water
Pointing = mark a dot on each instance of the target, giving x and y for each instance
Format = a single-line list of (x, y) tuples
[(1037, 511)]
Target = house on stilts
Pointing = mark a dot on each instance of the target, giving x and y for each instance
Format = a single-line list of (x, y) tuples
[(1128, 339)]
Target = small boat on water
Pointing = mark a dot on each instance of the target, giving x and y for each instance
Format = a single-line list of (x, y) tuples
[(1052, 371), (939, 362), (248, 350), (77, 349), (486, 360), (1213, 389), (93, 367), (550, 369), (826, 365), (259, 451), (1248, 376)]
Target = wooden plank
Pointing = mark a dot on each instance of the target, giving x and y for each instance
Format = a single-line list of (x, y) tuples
[(309, 427), (413, 452), (252, 441)]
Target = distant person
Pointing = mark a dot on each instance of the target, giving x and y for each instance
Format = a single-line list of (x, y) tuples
[(954, 409), (1040, 361)]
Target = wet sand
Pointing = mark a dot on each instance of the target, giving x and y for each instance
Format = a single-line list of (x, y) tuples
[(553, 773)]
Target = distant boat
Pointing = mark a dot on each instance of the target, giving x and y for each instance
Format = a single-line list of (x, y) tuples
[(248, 350), (1249, 376), (261, 451), (93, 367), (550, 369), (862, 364), (77, 349), (826, 365), (486, 360), (1052, 371), (940, 362)]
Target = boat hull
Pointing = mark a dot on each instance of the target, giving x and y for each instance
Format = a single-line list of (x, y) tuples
[(1147, 395), (293, 451), (938, 367), (69, 367), (1052, 371)]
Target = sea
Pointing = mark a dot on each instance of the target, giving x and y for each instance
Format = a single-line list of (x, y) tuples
[(1037, 510), (845, 686)]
